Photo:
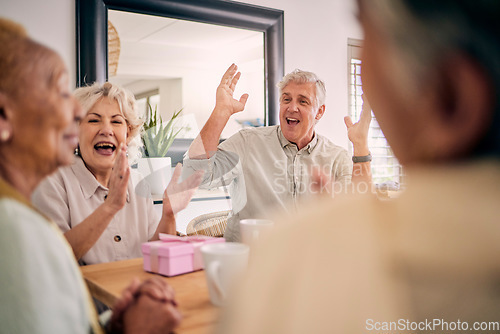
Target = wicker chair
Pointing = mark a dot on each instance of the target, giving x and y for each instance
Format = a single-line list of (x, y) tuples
[(211, 224)]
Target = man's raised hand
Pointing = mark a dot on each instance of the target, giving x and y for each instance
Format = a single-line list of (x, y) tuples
[(225, 102)]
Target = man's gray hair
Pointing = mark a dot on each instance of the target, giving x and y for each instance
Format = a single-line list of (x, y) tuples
[(424, 33), (301, 77)]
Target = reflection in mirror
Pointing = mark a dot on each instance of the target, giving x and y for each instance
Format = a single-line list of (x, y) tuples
[(177, 64)]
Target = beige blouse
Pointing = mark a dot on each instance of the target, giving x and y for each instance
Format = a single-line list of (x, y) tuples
[(72, 193)]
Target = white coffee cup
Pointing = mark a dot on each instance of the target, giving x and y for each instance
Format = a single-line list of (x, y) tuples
[(252, 230), (224, 264)]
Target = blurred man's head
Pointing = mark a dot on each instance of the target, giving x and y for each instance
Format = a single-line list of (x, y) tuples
[(431, 73)]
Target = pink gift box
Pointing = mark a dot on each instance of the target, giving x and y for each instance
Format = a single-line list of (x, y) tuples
[(173, 255)]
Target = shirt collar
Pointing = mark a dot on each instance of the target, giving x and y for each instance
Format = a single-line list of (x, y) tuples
[(284, 142), (281, 137), (87, 180), (312, 144)]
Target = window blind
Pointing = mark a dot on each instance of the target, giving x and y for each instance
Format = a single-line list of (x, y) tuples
[(386, 170)]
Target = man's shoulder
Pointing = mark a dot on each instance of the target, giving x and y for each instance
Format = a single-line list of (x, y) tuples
[(260, 132), (328, 216), (325, 144)]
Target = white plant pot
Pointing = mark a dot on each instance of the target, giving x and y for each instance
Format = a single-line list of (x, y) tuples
[(157, 172)]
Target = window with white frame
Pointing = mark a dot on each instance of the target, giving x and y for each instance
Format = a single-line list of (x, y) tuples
[(386, 171)]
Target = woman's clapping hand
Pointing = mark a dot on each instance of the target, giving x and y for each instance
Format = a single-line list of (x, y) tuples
[(118, 180)]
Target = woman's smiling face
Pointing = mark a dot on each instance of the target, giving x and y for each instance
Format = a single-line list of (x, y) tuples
[(102, 131), (43, 122)]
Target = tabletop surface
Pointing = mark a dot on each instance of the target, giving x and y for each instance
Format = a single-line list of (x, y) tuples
[(106, 281)]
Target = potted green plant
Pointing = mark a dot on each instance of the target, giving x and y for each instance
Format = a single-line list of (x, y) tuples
[(157, 138)]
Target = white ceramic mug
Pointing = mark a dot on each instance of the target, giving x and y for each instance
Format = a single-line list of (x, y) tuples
[(252, 230), (224, 264)]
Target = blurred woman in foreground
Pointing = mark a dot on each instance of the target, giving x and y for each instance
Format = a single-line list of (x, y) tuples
[(41, 287)]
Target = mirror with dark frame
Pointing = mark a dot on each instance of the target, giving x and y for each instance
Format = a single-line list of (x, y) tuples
[(171, 65), (92, 35)]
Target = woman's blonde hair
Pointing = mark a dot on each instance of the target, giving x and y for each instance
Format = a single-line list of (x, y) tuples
[(88, 97)]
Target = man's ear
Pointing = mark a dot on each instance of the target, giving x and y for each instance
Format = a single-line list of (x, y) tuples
[(5, 122), (463, 108), (3, 105), (321, 111)]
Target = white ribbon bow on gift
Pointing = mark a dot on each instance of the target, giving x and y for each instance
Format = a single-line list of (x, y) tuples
[(192, 238)]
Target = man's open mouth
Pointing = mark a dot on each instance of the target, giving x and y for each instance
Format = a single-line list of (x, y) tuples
[(292, 121), (105, 148)]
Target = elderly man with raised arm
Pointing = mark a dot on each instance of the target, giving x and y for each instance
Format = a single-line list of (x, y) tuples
[(272, 167)]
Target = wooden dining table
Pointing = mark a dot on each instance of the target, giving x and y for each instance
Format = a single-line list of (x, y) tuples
[(106, 281)]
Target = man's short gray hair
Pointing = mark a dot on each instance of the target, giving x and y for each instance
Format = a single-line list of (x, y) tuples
[(301, 77), (425, 32)]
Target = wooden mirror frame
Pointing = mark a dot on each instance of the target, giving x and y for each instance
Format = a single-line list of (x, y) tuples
[(92, 35)]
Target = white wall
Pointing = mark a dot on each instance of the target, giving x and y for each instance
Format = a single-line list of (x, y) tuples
[(51, 22), (316, 34)]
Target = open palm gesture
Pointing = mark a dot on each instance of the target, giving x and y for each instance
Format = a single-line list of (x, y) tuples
[(225, 102), (358, 132), (177, 195)]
